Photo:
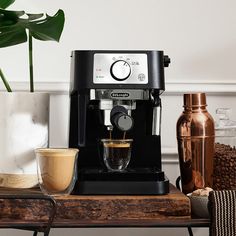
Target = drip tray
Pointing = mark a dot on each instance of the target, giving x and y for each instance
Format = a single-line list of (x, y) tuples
[(142, 181)]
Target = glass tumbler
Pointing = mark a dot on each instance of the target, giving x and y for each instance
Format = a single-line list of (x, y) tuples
[(56, 169), (116, 153)]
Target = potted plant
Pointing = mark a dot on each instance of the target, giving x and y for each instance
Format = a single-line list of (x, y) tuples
[(24, 116)]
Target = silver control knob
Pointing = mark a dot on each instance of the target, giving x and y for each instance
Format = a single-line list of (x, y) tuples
[(120, 70)]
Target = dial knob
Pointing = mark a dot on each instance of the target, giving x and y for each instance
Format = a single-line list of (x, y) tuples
[(120, 70), (120, 118)]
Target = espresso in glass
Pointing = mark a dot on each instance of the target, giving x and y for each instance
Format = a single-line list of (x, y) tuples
[(116, 153)]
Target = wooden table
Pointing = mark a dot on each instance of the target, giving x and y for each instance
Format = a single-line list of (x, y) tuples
[(30, 209)]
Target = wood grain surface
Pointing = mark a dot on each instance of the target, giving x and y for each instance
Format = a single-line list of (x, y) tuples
[(95, 210)]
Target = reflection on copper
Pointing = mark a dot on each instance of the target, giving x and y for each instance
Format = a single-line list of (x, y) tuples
[(196, 137)]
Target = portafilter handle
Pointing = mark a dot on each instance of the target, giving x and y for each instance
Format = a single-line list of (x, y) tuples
[(120, 118)]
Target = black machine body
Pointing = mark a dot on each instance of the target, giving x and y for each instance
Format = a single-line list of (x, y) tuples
[(116, 94)]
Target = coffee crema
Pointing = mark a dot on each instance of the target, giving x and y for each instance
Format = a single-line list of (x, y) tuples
[(117, 145)]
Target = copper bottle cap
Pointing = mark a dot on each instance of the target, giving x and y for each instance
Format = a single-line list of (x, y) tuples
[(194, 100)]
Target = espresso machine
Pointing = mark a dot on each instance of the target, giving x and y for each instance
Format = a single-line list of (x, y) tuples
[(112, 93)]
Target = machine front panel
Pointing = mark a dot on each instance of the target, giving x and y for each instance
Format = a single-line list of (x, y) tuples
[(115, 68)]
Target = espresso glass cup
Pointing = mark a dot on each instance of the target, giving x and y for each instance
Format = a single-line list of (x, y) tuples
[(116, 153), (56, 169)]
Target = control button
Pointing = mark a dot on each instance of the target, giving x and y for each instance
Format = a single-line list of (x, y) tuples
[(141, 77), (120, 70), (166, 61)]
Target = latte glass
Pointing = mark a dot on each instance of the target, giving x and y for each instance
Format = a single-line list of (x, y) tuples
[(56, 169), (116, 153)]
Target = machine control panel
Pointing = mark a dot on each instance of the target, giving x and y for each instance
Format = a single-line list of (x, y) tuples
[(120, 68)]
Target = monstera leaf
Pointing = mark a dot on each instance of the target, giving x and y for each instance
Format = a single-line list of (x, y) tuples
[(13, 26), (10, 32), (18, 27), (5, 3)]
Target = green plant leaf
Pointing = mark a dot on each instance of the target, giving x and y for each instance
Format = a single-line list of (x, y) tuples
[(11, 32), (14, 26), (49, 28), (12, 36), (6, 3), (34, 16), (9, 18), (11, 14), (41, 27)]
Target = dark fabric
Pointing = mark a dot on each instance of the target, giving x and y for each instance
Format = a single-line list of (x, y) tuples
[(222, 207)]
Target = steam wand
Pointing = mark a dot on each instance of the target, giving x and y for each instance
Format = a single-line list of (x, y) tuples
[(156, 117)]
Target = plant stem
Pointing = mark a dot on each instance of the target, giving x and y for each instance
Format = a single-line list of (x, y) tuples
[(8, 88), (31, 63)]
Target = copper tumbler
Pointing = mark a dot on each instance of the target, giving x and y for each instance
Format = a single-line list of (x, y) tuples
[(196, 138)]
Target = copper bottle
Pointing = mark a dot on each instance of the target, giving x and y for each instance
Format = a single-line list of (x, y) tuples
[(196, 138)]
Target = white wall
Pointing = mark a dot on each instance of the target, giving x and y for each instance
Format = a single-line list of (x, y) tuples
[(199, 36)]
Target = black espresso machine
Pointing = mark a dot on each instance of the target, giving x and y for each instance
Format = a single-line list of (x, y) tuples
[(113, 92)]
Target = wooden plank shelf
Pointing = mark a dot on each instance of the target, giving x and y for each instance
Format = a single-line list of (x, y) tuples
[(30, 208)]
